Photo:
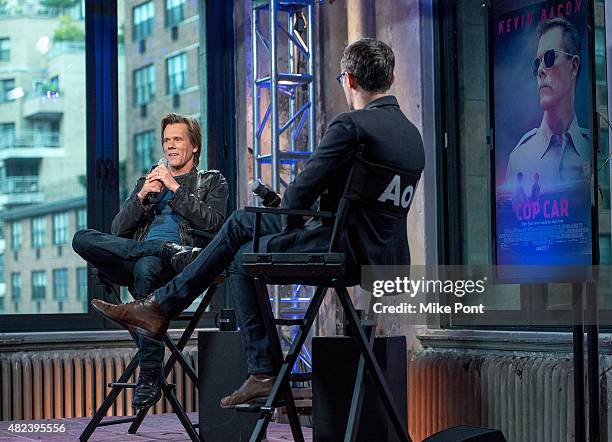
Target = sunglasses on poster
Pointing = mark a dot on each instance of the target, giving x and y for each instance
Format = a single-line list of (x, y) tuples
[(549, 57)]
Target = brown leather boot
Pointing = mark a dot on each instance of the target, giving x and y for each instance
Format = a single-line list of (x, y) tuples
[(143, 316), (256, 386)]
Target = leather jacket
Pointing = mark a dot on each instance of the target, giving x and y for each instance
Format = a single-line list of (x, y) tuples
[(200, 202)]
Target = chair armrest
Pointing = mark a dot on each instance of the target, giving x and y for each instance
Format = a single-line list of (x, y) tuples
[(296, 212)]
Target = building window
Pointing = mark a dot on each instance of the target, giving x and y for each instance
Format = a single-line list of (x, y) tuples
[(1, 268), (16, 235), (5, 49), (39, 285), (6, 86), (174, 12), (144, 84), (81, 219), (144, 146), (60, 284), (143, 20), (7, 133), (81, 283), (177, 73), (15, 286), (60, 228), (39, 231)]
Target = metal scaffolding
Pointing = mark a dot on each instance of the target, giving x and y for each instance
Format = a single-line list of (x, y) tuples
[(283, 84), (290, 77)]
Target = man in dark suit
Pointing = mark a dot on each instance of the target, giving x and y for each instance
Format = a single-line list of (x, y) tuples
[(375, 122)]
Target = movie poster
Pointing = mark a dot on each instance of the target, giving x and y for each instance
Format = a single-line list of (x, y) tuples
[(543, 148)]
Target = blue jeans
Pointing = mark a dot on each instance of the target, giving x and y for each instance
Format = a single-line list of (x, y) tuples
[(225, 252), (136, 264)]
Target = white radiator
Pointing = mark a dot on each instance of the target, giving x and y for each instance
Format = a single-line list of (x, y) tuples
[(529, 396), (57, 384)]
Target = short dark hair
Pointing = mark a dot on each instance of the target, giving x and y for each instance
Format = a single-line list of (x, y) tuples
[(371, 62), (571, 38), (193, 131)]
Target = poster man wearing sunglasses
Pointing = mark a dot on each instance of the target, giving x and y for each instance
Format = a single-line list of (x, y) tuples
[(559, 150)]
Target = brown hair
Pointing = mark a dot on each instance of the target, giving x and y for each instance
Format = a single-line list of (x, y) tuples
[(371, 62), (193, 131)]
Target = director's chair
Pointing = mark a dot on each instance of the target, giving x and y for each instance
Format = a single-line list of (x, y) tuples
[(366, 183), (176, 355)]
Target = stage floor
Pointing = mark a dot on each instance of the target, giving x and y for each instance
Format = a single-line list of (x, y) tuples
[(159, 427)]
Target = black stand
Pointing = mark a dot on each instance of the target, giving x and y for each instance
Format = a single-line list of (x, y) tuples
[(592, 332)]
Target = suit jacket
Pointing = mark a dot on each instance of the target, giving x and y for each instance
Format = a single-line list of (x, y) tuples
[(370, 238)]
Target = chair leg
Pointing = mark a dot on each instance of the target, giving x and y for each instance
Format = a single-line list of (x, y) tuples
[(175, 353), (352, 425), (371, 363), (282, 378), (180, 413), (108, 401)]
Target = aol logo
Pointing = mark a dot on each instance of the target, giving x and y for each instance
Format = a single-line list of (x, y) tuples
[(393, 193)]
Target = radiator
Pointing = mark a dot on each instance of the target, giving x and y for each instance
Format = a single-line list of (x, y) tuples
[(58, 384), (528, 397)]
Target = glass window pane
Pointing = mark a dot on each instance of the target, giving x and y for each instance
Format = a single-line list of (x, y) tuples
[(151, 76), (42, 153), (174, 12), (60, 228), (143, 16), (81, 219), (5, 49), (473, 148)]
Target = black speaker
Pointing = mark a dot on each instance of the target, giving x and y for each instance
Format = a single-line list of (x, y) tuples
[(221, 370), (465, 433), (334, 367)]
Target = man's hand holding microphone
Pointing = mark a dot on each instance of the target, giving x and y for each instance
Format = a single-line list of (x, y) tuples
[(155, 181)]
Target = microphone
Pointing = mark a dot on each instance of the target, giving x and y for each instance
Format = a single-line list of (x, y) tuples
[(267, 196), (153, 197)]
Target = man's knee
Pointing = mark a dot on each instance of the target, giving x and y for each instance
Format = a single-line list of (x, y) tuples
[(237, 216), (81, 243)]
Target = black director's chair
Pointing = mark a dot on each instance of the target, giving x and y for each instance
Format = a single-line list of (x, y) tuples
[(176, 355), (366, 184)]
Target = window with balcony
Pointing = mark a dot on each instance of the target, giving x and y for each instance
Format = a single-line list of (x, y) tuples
[(15, 286), (5, 49), (176, 68), (60, 284), (60, 228), (39, 285), (81, 283), (6, 86), (174, 12), (144, 85), (16, 235), (144, 151), (39, 231), (81, 219), (143, 16)]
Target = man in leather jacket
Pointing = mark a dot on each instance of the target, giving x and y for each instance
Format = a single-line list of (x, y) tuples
[(170, 210)]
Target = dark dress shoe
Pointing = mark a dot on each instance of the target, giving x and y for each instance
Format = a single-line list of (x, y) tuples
[(148, 388), (170, 249), (182, 259), (255, 387), (143, 316)]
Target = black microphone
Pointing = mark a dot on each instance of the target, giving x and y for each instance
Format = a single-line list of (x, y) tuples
[(267, 196)]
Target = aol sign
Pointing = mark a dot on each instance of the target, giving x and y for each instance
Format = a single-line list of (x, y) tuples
[(394, 193)]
